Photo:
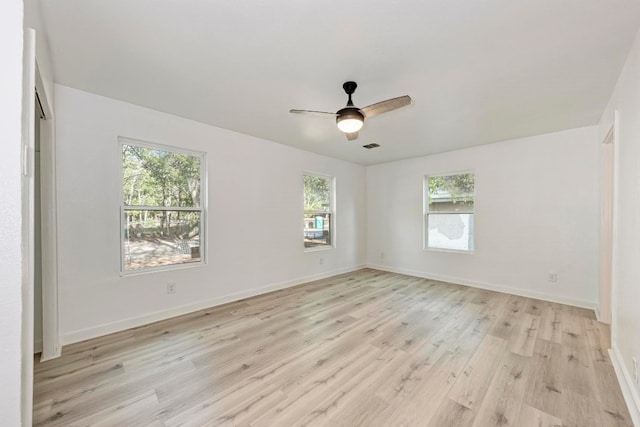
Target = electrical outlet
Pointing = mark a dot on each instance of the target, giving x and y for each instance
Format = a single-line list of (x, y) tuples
[(636, 374), (552, 277), (321, 261), (381, 256), (171, 288)]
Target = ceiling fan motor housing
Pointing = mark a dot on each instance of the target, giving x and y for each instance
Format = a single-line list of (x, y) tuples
[(349, 119)]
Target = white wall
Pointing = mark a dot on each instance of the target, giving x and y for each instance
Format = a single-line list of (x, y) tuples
[(536, 211), (33, 19), (11, 15), (626, 254), (250, 179)]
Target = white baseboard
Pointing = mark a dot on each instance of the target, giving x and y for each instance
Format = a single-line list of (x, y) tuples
[(133, 322), (625, 380), (489, 286)]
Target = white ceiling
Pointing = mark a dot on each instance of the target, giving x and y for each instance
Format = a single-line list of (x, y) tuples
[(478, 71)]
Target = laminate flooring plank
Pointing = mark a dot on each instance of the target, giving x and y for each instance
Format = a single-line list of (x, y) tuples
[(302, 399), (402, 380), (159, 339), (404, 376), (421, 404), (366, 348), (135, 411), (483, 297), (551, 323), (216, 379), (578, 374), (544, 389), (470, 389), (409, 330), (452, 414), (523, 341), (71, 404), (503, 400), (509, 319), (361, 412), (235, 409), (608, 390), (532, 417), (579, 410), (345, 397), (535, 307), (207, 392)]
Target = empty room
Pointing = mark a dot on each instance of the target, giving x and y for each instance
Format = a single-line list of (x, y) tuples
[(286, 213)]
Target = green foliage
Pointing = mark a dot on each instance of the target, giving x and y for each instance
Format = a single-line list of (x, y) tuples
[(160, 178), (460, 187), (317, 193)]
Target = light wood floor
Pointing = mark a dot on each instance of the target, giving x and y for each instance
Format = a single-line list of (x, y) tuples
[(368, 348)]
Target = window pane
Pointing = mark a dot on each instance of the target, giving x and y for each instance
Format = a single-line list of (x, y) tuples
[(451, 193), (154, 238), (160, 178), (317, 194), (317, 229), (450, 231)]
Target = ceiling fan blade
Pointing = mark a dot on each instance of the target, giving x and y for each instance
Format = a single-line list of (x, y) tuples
[(352, 136), (385, 106), (321, 113)]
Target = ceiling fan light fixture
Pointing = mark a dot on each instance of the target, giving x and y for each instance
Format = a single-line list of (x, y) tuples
[(350, 120)]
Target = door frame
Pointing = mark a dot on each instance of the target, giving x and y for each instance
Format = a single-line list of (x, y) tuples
[(27, 213), (607, 174), (49, 225)]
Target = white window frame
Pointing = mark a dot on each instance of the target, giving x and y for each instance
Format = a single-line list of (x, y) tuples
[(122, 141), (426, 213), (332, 211)]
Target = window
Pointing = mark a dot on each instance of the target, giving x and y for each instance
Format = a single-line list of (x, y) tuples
[(162, 209), (318, 211), (449, 210)]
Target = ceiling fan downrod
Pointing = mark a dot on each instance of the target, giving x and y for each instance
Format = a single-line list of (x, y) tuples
[(349, 88)]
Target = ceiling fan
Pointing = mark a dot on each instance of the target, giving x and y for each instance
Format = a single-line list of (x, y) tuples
[(351, 118)]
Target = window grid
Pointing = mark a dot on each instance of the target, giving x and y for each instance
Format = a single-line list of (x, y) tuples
[(169, 234), (449, 212), (318, 211)]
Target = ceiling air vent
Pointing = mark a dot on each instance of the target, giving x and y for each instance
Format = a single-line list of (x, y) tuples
[(370, 146)]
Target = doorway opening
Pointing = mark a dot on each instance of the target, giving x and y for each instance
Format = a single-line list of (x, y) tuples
[(37, 229)]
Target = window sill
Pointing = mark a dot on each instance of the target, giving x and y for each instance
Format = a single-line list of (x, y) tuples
[(453, 251), (319, 248), (162, 268)]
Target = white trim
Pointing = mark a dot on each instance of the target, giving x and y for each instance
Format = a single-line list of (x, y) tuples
[(27, 226), (319, 248), (616, 220), (331, 212), (489, 286), (426, 213), (50, 344), (629, 391), (597, 311), (125, 140), (451, 251), (151, 270), (202, 208), (132, 322), (161, 208)]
